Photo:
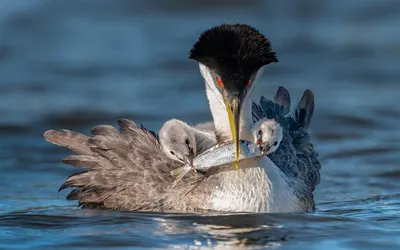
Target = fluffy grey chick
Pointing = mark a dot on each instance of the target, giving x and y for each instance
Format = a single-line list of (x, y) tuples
[(182, 143), (268, 134)]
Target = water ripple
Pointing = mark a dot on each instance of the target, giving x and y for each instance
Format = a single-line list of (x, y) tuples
[(75, 64)]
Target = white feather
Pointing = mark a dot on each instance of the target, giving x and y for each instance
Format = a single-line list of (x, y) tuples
[(218, 110), (259, 185)]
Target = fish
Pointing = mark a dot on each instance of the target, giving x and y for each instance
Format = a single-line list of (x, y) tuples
[(218, 155)]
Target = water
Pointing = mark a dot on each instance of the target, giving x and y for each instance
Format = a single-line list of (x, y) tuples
[(74, 64)]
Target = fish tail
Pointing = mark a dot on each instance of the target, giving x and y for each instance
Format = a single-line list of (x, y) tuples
[(179, 173)]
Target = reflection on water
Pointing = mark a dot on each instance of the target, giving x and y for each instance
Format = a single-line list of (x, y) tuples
[(338, 221), (76, 64)]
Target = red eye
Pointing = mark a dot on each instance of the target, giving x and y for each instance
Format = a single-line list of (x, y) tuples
[(220, 83), (248, 83)]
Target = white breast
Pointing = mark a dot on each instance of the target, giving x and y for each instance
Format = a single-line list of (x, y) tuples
[(259, 187)]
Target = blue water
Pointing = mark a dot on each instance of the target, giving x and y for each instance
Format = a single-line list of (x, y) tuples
[(74, 64)]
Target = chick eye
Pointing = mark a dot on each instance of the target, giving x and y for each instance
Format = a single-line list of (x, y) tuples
[(187, 141), (259, 132), (172, 152), (275, 143)]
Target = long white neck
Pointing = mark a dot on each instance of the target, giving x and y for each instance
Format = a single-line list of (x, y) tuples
[(259, 186), (219, 113)]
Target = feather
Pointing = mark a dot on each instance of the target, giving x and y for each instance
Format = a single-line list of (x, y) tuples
[(105, 130), (257, 112), (69, 183), (295, 156), (87, 161), (77, 142), (282, 98), (127, 129), (305, 109), (73, 195), (271, 109), (126, 170)]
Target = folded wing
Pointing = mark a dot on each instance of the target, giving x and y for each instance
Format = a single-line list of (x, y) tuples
[(123, 169), (296, 156)]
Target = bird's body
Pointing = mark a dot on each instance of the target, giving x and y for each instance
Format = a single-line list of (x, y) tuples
[(259, 186), (128, 170)]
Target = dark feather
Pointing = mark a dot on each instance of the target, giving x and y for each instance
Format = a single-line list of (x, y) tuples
[(296, 156), (257, 112), (282, 98), (65, 185), (305, 109), (73, 195), (266, 109), (271, 109), (233, 51)]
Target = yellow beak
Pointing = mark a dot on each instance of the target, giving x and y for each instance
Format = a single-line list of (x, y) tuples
[(233, 109)]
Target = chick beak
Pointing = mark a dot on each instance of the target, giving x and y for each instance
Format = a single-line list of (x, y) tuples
[(190, 157), (233, 109), (266, 149)]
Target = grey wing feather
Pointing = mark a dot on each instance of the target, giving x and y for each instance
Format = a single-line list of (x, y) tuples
[(308, 157), (87, 161), (269, 109), (126, 170), (301, 139), (297, 158), (305, 109), (266, 109), (65, 138), (282, 98)]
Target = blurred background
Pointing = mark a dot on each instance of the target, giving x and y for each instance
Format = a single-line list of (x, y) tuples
[(79, 63)]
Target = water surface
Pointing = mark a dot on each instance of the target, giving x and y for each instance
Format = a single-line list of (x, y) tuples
[(76, 64)]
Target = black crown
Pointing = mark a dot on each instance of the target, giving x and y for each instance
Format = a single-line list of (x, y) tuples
[(233, 51)]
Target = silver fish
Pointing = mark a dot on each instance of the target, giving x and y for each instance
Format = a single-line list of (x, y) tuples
[(218, 155)]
